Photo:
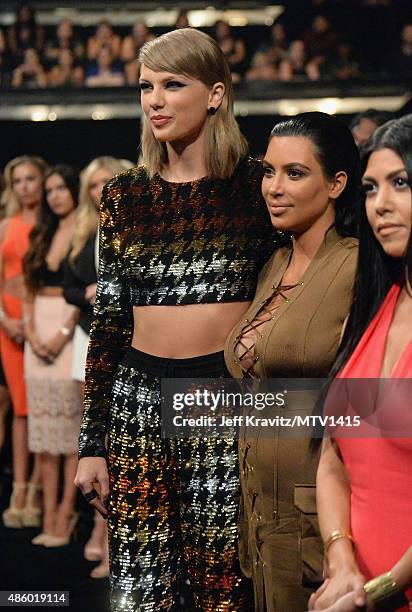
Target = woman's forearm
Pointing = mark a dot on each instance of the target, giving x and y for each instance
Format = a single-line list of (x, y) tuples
[(386, 591), (402, 571), (70, 323), (28, 312), (333, 502)]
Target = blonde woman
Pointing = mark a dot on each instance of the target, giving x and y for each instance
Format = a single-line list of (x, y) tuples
[(80, 290), (182, 238), (21, 199)]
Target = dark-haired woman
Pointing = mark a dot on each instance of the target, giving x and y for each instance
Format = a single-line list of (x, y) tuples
[(25, 33), (233, 49), (292, 329), (365, 484), (54, 403)]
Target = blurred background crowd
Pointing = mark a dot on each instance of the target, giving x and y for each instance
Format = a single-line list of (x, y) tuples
[(308, 42)]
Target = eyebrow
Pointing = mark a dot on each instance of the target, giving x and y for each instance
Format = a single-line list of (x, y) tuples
[(290, 165), (389, 176), (171, 77)]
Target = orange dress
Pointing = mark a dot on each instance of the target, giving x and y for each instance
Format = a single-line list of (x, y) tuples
[(13, 249), (380, 468)]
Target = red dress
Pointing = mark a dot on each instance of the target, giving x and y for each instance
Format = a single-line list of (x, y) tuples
[(380, 468), (13, 250)]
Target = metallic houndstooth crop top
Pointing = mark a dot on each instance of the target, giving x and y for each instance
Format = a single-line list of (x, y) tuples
[(166, 243)]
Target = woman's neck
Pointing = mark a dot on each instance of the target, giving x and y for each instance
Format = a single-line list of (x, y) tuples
[(29, 213), (307, 243), (186, 160), (68, 220)]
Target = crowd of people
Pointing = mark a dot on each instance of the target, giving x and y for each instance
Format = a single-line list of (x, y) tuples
[(48, 285), (34, 57), (207, 263)]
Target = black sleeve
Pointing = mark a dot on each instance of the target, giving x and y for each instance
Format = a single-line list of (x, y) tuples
[(112, 328), (73, 288)]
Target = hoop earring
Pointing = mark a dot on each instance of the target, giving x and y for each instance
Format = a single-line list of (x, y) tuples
[(211, 111)]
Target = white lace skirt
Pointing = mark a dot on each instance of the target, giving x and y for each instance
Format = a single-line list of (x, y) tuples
[(54, 407)]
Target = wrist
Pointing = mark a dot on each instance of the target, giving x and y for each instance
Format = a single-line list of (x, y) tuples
[(340, 553), (342, 560), (65, 331), (338, 536), (342, 568), (384, 594)]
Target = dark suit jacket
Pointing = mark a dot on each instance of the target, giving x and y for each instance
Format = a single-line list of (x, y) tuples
[(77, 278)]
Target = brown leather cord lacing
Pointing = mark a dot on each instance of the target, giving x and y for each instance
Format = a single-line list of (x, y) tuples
[(248, 358)]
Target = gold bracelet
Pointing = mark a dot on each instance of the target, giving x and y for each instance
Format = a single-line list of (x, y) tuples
[(385, 593), (337, 535)]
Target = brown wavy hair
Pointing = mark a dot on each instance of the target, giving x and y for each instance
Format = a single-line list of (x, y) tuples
[(45, 227)]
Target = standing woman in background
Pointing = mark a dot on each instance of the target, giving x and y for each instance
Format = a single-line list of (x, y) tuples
[(80, 278), (293, 330), (4, 393), (53, 396), (182, 238), (22, 198)]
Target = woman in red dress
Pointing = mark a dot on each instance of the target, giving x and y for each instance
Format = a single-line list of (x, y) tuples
[(364, 483), (22, 198)]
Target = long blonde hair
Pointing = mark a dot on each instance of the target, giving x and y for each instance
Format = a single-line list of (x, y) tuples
[(9, 199), (88, 216), (196, 55)]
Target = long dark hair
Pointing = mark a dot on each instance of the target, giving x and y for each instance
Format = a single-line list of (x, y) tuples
[(336, 151), (46, 225), (29, 25), (376, 271)]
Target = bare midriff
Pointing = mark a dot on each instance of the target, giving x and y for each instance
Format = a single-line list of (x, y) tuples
[(181, 332), (50, 291)]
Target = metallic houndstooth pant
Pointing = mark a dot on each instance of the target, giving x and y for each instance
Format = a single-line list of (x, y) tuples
[(173, 503)]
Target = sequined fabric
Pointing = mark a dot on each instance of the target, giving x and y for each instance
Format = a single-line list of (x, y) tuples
[(173, 506), (168, 243), (197, 242)]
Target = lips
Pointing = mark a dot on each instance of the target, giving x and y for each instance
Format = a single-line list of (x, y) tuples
[(387, 229), (278, 209), (159, 119)]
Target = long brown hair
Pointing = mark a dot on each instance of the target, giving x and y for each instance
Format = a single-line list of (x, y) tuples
[(46, 225)]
